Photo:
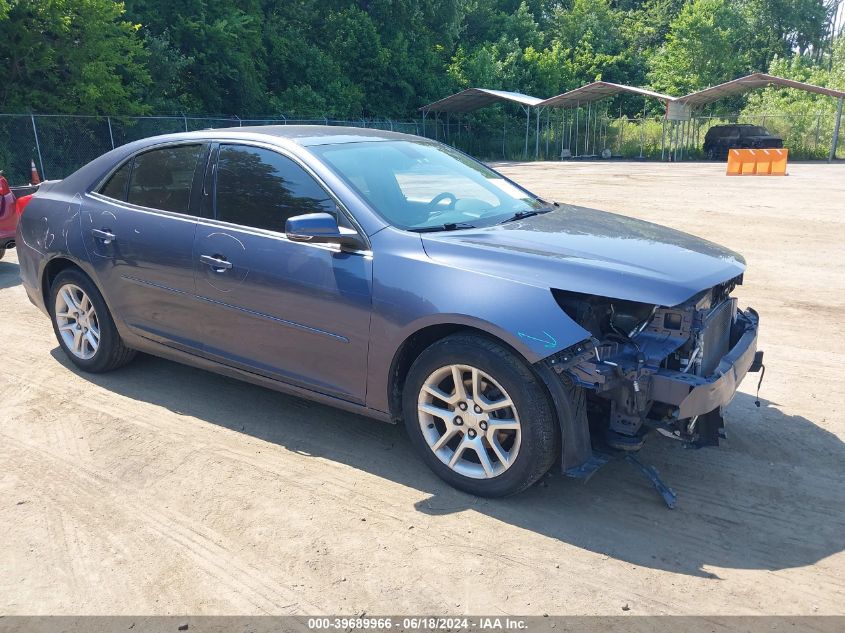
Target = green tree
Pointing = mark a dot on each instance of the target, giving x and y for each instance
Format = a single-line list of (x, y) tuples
[(804, 119), (644, 28), (221, 43), (378, 58), (167, 92), (77, 56), (704, 46), (509, 61), (591, 31), (780, 28)]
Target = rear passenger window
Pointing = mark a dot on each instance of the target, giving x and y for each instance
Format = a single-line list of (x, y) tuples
[(115, 187), (162, 178), (262, 189)]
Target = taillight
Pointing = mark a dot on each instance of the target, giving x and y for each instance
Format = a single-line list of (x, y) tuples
[(21, 203), (4, 186)]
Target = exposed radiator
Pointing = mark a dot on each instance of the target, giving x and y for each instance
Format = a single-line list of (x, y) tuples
[(716, 335)]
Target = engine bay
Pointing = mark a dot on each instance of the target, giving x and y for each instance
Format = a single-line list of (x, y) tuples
[(643, 360)]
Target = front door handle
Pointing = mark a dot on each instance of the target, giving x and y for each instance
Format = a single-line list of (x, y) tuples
[(216, 262), (104, 234)]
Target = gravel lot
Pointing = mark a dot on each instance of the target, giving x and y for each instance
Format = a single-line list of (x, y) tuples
[(161, 489)]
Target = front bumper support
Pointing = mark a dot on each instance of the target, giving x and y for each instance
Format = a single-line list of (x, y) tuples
[(698, 395)]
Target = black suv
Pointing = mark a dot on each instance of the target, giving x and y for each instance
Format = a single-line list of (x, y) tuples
[(720, 138)]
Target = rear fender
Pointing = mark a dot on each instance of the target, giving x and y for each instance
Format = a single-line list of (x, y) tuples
[(50, 228)]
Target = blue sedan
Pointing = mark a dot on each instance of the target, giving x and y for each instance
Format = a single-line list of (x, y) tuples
[(395, 277)]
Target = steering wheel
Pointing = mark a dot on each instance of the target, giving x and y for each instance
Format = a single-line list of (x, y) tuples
[(440, 197)]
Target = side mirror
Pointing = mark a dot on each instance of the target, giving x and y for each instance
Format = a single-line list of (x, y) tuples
[(321, 228)]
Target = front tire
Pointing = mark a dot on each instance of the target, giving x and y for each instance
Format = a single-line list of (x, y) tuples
[(479, 417), (83, 324)]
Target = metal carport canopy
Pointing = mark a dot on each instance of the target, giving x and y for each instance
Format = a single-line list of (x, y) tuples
[(762, 80), (475, 98), (597, 91), (752, 82), (593, 92)]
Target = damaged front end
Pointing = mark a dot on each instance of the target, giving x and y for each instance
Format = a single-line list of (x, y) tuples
[(670, 369)]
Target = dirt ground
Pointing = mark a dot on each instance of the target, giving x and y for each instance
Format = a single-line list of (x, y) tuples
[(161, 489)]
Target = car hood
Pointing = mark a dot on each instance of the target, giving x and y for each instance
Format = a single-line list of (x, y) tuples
[(593, 252)]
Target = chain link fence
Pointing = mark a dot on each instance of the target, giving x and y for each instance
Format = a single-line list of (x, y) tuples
[(583, 133), (60, 144), (808, 136)]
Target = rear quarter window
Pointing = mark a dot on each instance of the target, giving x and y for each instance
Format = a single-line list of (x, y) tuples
[(162, 178), (115, 186)]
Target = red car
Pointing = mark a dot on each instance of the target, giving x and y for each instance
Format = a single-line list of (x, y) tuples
[(12, 203), (8, 216)]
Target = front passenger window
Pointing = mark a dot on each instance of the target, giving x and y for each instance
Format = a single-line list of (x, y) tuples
[(162, 178), (260, 188)]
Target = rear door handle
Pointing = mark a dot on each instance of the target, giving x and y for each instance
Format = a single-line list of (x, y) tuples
[(216, 262), (104, 234)]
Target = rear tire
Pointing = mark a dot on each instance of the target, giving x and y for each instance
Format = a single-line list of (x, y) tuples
[(84, 326), (495, 434)]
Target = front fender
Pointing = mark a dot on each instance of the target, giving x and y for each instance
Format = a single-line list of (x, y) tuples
[(412, 292)]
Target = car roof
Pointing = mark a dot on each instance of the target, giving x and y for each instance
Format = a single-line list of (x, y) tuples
[(304, 135)]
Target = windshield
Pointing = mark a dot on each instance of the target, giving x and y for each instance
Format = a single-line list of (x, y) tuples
[(420, 186)]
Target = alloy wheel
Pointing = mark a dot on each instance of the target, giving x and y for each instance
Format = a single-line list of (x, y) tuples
[(469, 421), (77, 321)]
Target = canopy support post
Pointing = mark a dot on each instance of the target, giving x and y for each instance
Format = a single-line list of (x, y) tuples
[(577, 113), (537, 113), (621, 145), (642, 128), (837, 123), (676, 140), (587, 131), (562, 129), (504, 134), (596, 131), (527, 127)]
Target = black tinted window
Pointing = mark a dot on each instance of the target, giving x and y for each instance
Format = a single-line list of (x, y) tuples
[(162, 178), (260, 188), (115, 187)]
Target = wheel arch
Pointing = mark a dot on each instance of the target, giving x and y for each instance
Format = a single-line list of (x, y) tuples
[(420, 340), (57, 265), (51, 270), (574, 437)]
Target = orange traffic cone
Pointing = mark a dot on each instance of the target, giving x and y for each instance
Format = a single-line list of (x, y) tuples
[(34, 179)]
